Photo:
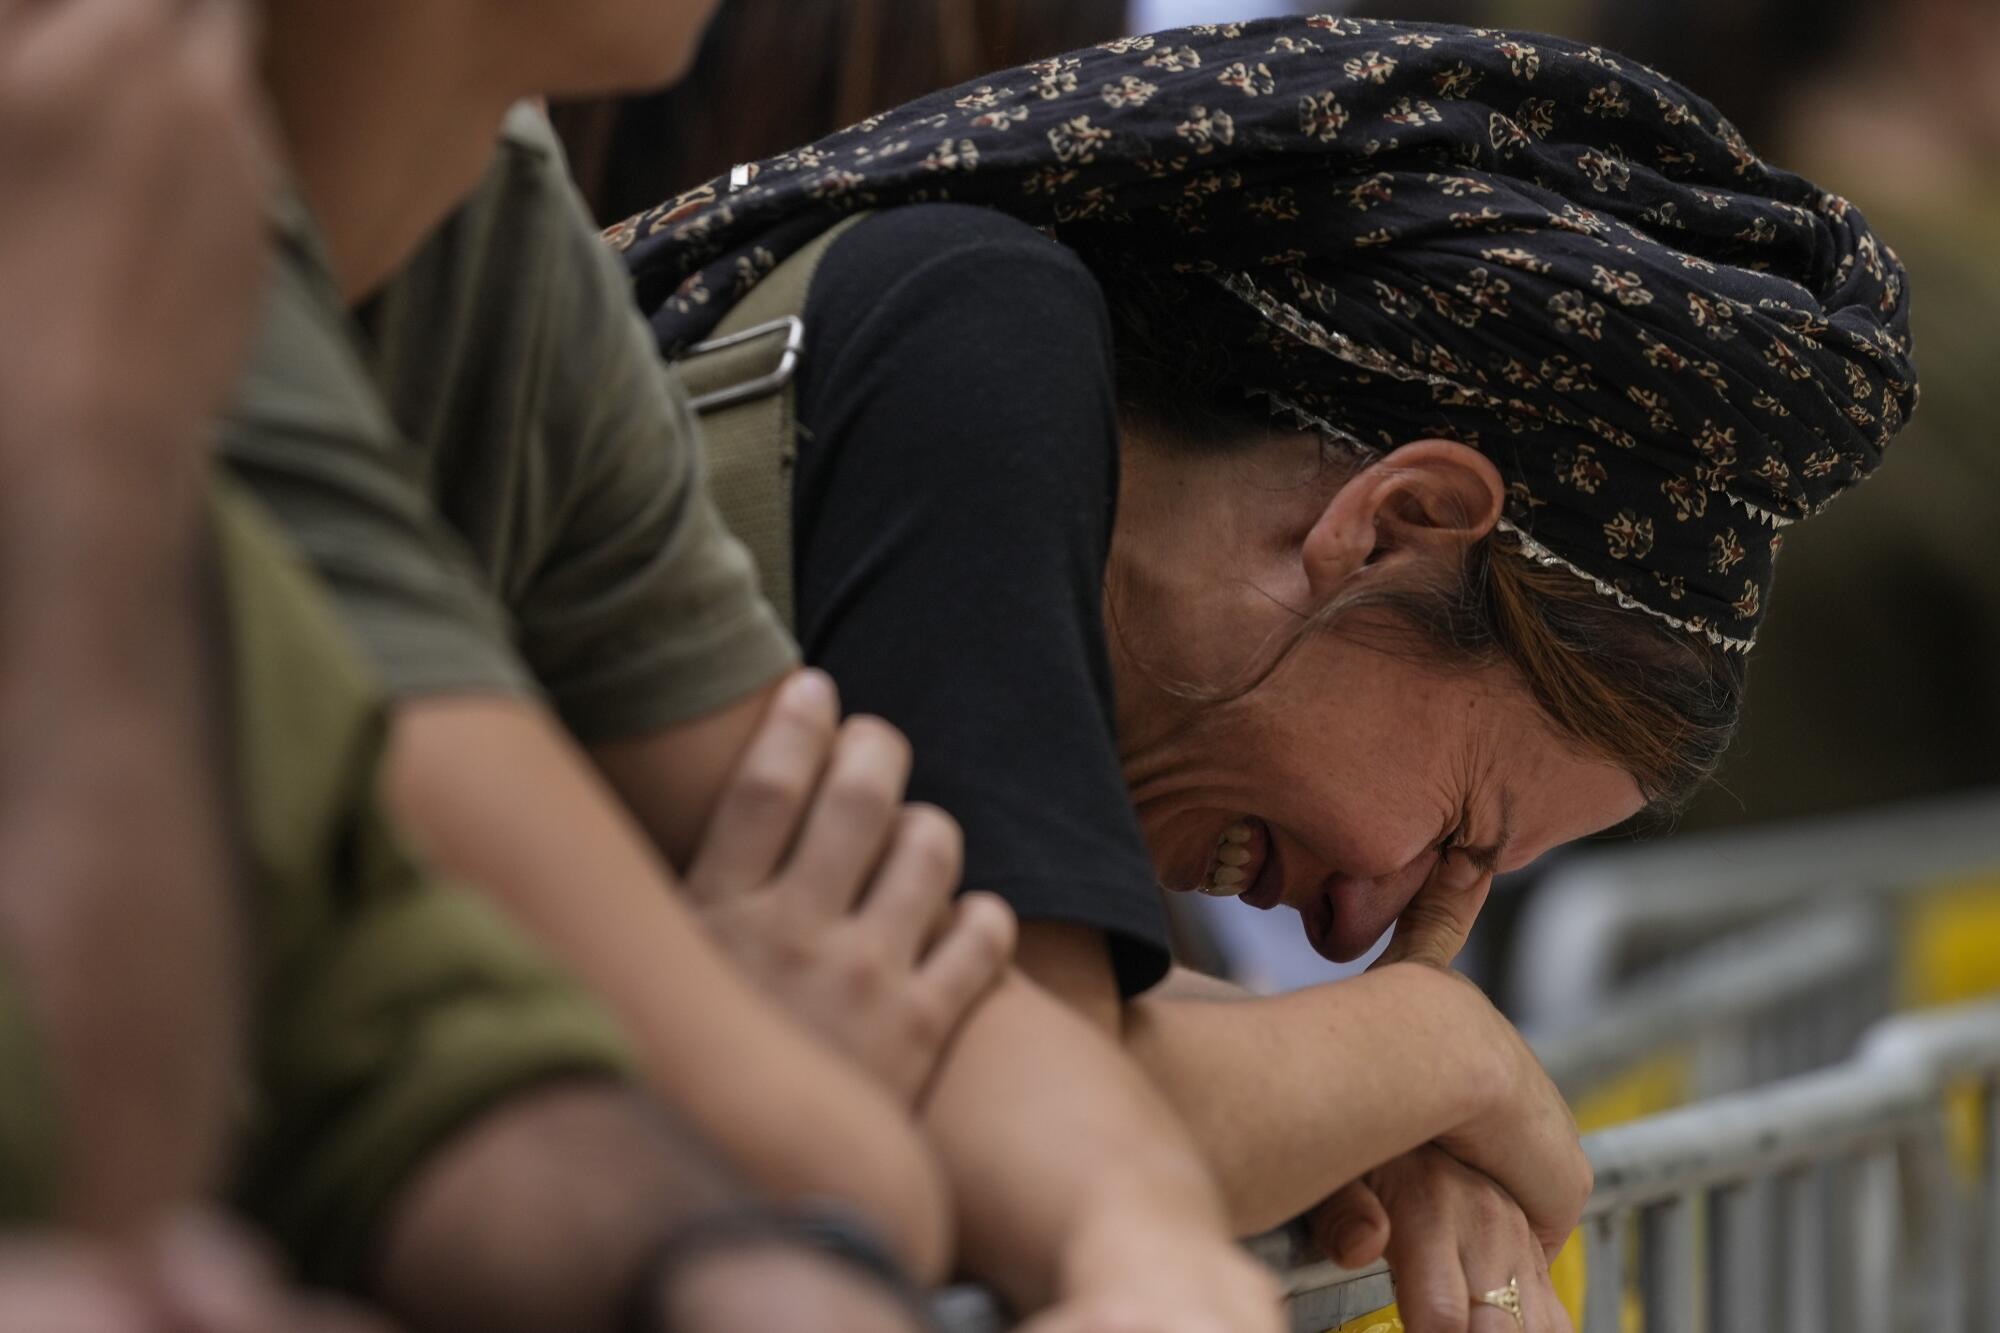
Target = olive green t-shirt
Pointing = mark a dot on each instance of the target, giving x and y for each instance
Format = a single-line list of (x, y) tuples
[(390, 1009), (493, 471)]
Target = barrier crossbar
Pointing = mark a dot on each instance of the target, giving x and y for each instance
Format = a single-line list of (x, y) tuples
[(1790, 995), (1600, 913)]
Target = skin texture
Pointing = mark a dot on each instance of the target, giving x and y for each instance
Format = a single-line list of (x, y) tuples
[(129, 156), (1461, 1236)]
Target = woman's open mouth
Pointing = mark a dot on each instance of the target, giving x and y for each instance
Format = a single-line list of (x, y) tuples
[(1244, 865)]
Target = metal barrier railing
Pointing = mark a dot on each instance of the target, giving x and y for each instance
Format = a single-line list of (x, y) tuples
[(1318, 1295), (1793, 994), (1833, 1202), (1829, 1202), (1600, 915)]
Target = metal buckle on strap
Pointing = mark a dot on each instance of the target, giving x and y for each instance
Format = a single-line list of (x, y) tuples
[(794, 330)]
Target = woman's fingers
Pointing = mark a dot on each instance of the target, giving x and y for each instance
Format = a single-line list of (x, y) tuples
[(1455, 1238), (910, 900), (1502, 1254), (1433, 928), (1541, 1309), (758, 814), (1431, 1290), (1352, 1227), (854, 816), (965, 962)]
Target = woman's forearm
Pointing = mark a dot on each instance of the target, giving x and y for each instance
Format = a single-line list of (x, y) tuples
[(1050, 1134), (1292, 1096), (500, 797)]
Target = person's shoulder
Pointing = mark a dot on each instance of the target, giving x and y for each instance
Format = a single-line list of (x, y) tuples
[(926, 230), (959, 291), (304, 370), (528, 169), (950, 246), (966, 355), (522, 235), (518, 279)]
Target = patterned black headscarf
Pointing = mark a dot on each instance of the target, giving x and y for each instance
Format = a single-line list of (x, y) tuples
[(1670, 349)]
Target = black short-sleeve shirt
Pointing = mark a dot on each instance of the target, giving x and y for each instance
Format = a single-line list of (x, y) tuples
[(956, 483)]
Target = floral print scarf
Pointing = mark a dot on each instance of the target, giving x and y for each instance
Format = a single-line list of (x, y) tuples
[(1670, 349)]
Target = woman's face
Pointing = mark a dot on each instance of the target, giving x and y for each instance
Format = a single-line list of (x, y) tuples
[(1336, 784), (1335, 787)]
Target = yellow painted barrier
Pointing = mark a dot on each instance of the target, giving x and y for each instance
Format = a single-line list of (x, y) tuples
[(1951, 952), (1951, 943)]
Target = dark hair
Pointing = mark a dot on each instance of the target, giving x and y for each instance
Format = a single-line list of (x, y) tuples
[(1658, 703), (774, 74)]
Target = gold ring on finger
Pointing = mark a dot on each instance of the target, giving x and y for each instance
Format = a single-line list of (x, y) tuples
[(1506, 1298)]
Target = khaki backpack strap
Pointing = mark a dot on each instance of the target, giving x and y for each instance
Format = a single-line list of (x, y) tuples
[(741, 383)]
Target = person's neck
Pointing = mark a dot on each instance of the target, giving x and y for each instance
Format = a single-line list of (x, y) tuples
[(1203, 539), (389, 119), (1188, 519)]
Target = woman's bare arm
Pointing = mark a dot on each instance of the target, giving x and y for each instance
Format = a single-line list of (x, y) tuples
[(1076, 1183), (1293, 1096)]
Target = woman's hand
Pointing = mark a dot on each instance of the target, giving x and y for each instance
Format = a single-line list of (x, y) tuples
[(1155, 1274), (1519, 1130), (1527, 1139), (1434, 925), (1524, 1136), (1450, 1234), (838, 897)]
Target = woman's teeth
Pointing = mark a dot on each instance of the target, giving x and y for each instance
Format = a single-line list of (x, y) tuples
[(1226, 875)]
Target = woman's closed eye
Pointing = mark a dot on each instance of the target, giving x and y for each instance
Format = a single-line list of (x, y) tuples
[(1454, 840)]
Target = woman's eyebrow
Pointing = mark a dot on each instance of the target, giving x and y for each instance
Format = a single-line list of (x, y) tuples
[(1487, 855)]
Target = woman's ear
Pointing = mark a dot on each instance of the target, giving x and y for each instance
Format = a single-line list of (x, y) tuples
[(1423, 500)]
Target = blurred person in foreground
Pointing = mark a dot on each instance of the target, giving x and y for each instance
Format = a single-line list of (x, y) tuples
[(789, 71), (1878, 679), (126, 133), (220, 975), (1318, 462), (454, 412)]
